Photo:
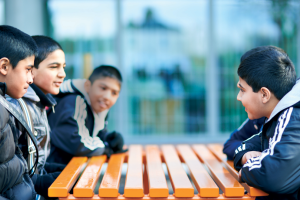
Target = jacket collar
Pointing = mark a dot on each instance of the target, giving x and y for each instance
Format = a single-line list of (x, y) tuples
[(2, 88), (290, 99), (34, 93), (76, 86)]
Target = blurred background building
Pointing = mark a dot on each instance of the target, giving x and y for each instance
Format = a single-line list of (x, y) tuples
[(178, 57)]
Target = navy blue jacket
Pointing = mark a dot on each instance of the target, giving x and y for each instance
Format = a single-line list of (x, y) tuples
[(277, 170), (72, 126), (245, 131)]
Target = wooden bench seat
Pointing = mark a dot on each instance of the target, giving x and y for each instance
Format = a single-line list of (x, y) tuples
[(208, 173)]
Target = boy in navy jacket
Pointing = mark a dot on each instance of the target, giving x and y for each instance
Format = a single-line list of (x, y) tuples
[(78, 125), (270, 160)]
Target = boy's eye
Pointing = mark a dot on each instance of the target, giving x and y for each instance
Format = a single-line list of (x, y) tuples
[(114, 93), (241, 90)]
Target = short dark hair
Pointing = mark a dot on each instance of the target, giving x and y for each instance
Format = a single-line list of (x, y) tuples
[(105, 71), (46, 45), (270, 67), (15, 45)]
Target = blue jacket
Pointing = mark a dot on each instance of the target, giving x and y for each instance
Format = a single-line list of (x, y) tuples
[(73, 130), (245, 131), (277, 170)]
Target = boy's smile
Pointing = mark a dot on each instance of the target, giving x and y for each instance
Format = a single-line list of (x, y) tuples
[(250, 100)]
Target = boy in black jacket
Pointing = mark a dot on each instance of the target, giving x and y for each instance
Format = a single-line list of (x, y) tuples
[(17, 53), (270, 160), (78, 125)]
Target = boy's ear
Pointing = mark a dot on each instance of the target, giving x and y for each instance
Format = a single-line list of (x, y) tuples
[(4, 64), (265, 94), (87, 85)]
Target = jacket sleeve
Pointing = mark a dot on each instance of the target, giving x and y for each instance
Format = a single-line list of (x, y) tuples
[(277, 169), (103, 133), (68, 130), (251, 144), (245, 131)]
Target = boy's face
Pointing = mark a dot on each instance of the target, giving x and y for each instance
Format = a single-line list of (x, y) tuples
[(250, 100), (18, 79), (51, 72), (103, 93)]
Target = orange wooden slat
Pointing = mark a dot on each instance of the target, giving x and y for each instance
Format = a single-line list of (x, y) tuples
[(181, 184), (64, 182), (134, 177), (157, 180), (145, 178), (228, 184), (217, 150), (111, 180), (202, 180), (230, 163), (170, 197), (88, 180)]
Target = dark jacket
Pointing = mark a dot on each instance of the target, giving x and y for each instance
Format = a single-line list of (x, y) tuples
[(72, 125), (15, 182), (246, 130), (277, 170), (36, 101)]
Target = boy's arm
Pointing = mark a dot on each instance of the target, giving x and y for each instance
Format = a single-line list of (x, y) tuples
[(68, 130), (277, 169), (245, 131), (251, 144)]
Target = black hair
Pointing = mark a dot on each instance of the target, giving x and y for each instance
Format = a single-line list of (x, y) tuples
[(15, 45), (46, 45), (270, 67), (106, 71)]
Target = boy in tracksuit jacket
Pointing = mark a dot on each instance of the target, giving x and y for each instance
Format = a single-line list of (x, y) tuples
[(78, 126), (270, 160), (246, 130)]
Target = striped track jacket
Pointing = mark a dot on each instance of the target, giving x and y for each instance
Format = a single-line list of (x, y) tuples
[(72, 125), (277, 170)]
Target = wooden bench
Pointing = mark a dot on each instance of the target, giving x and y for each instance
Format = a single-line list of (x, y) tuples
[(208, 169)]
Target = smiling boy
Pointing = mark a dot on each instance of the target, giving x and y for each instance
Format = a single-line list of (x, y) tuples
[(48, 72), (78, 126), (270, 160)]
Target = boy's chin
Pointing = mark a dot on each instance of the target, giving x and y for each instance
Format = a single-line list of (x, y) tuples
[(16, 96), (98, 110), (54, 91), (251, 117)]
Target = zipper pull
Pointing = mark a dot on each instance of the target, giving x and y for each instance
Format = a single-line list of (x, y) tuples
[(53, 109)]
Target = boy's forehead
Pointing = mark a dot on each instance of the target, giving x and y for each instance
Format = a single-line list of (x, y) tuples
[(242, 83), (109, 82), (28, 61)]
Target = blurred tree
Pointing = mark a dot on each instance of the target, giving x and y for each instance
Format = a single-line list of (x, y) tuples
[(285, 17)]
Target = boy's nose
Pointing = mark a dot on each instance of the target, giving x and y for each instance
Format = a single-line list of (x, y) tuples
[(106, 94), (30, 78), (239, 97), (62, 73)]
